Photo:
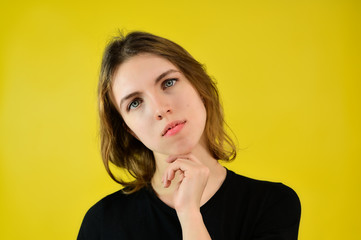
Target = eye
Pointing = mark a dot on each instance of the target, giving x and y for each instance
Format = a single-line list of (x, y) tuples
[(134, 104), (169, 82)]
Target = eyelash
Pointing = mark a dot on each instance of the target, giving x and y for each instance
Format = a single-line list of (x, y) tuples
[(134, 100), (174, 80)]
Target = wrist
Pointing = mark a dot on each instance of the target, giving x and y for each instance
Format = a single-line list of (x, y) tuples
[(189, 216), (193, 226)]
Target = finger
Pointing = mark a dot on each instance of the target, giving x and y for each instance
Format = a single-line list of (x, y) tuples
[(181, 176), (183, 165), (170, 178), (169, 175), (165, 181), (172, 173), (173, 158)]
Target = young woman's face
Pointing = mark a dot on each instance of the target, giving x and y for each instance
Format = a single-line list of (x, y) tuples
[(159, 105)]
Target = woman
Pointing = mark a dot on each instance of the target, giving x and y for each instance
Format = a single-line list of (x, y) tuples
[(162, 121)]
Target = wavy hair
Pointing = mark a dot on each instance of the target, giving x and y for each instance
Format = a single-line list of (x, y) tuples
[(118, 145)]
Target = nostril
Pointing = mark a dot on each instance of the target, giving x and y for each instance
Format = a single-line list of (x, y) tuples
[(162, 111)]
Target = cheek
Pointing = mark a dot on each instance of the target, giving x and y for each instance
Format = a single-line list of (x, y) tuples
[(140, 129), (136, 128), (197, 105), (188, 99)]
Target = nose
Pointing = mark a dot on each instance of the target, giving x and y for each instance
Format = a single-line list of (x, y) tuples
[(161, 114), (161, 108)]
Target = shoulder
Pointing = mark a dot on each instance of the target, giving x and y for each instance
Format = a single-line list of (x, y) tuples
[(277, 206), (117, 206), (117, 201), (106, 201), (266, 190)]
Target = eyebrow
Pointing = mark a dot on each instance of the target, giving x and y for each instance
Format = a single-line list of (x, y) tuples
[(160, 77)]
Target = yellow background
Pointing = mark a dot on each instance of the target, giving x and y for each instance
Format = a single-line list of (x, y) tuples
[(289, 77)]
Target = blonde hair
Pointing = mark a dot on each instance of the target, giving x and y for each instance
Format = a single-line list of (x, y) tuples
[(120, 147)]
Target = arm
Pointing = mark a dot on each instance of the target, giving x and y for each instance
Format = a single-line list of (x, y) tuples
[(193, 226), (187, 196)]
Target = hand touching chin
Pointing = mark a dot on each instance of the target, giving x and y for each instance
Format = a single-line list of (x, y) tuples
[(193, 177)]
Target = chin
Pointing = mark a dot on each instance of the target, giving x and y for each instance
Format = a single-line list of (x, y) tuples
[(182, 148)]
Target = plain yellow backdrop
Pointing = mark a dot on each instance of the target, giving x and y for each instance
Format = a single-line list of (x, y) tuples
[(288, 73)]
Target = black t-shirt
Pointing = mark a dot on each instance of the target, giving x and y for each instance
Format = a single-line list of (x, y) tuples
[(242, 208)]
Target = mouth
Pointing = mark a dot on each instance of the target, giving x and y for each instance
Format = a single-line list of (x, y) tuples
[(173, 128)]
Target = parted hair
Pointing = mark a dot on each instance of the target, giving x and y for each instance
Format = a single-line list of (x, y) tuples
[(118, 145)]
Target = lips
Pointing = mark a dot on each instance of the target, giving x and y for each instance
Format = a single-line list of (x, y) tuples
[(171, 126)]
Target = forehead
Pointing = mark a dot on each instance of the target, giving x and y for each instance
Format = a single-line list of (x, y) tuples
[(140, 70)]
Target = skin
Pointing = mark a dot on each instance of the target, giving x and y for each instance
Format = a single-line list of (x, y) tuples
[(149, 93)]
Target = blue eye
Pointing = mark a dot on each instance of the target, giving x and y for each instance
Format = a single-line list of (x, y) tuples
[(169, 82), (134, 104)]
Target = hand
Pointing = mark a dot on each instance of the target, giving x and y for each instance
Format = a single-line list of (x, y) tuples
[(193, 177)]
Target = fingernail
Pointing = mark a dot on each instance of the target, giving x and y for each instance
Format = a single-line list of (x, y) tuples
[(170, 159)]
